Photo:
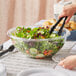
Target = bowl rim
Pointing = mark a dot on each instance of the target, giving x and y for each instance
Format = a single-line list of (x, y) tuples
[(24, 39)]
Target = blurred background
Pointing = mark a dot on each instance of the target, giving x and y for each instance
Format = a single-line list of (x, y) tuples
[(23, 12)]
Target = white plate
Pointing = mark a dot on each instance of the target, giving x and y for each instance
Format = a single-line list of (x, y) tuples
[(42, 72)]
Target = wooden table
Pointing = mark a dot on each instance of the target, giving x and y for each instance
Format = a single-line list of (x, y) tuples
[(16, 61)]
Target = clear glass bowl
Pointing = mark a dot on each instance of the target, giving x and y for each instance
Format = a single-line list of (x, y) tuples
[(39, 48)]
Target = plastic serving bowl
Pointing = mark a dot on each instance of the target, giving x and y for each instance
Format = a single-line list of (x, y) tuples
[(39, 48)]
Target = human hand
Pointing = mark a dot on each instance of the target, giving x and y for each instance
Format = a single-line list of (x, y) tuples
[(69, 11), (69, 62)]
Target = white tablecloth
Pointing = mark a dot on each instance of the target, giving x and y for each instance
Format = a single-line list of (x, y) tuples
[(16, 61)]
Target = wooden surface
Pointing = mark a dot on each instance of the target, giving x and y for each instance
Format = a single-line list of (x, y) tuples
[(16, 61)]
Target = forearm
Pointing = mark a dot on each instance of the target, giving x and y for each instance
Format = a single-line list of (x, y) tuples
[(74, 4), (74, 7), (73, 1)]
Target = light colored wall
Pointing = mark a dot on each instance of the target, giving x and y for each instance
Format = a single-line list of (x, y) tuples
[(22, 12)]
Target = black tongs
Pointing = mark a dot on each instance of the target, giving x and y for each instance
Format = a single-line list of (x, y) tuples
[(60, 30), (10, 49)]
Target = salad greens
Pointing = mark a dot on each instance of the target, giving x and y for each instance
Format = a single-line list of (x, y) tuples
[(35, 33), (37, 49)]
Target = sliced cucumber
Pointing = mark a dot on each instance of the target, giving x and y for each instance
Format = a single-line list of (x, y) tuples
[(40, 55), (33, 51), (53, 35)]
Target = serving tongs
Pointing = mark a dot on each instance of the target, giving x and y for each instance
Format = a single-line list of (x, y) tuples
[(1, 47), (61, 28), (10, 49)]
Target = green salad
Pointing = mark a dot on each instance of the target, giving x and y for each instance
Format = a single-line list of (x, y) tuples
[(37, 49), (35, 33)]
